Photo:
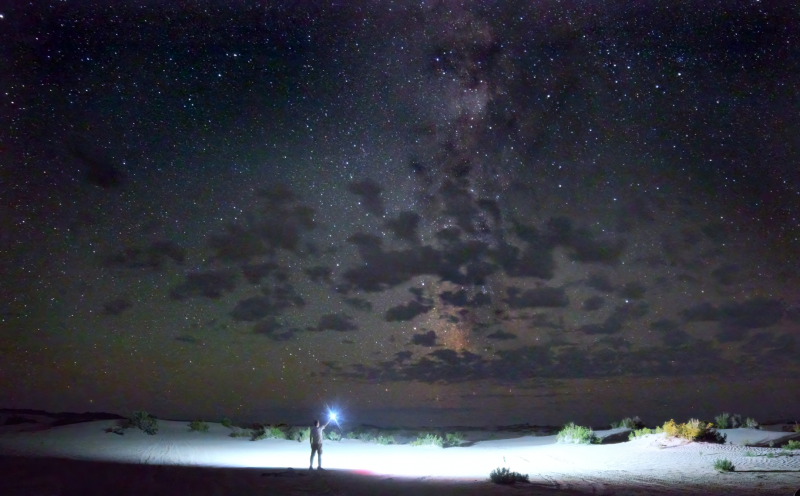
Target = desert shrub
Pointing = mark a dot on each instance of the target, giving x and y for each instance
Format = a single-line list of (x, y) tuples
[(352, 435), (749, 453), (722, 421), (366, 437), (198, 425), (792, 445), (693, 430), (267, 432), (300, 434), (628, 423), (237, 432), (505, 476), (226, 422), (385, 440), (333, 436), (572, 433), (723, 465), (428, 439), (453, 439), (751, 423), (638, 433), (796, 427), (144, 422)]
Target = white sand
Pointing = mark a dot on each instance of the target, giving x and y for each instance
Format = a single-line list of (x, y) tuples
[(652, 465)]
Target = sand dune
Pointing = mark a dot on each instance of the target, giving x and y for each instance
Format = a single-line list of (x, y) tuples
[(84, 459)]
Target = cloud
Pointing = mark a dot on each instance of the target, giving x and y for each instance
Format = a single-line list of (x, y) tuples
[(461, 299), (256, 272), (339, 322), (539, 297), (270, 327), (206, 284), (319, 273), (152, 256), (633, 290), (358, 303), (600, 282), (370, 193), (702, 312), (254, 309), (406, 312), (726, 274), (615, 322), (424, 339), (117, 306), (593, 303), (405, 226), (501, 335)]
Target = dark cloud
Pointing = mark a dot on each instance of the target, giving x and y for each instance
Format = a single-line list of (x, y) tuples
[(254, 309), (664, 325), (461, 299), (424, 339), (501, 335), (358, 303), (403, 356), (703, 312), (600, 282), (539, 297), (405, 226), (370, 193), (270, 328), (153, 256), (99, 168), (726, 274), (716, 232), (117, 306), (612, 359), (406, 312), (256, 272), (633, 290), (339, 322), (588, 249), (187, 339), (206, 284), (237, 244), (615, 322), (593, 303), (460, 205), (319, 273), (748, 314)]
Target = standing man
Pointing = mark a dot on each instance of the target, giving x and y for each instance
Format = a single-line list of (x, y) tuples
[(316, 444)]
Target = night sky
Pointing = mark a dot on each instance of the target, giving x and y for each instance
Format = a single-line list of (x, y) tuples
[(421, 212)]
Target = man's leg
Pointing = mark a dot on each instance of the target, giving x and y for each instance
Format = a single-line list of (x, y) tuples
[(319, 457), (311, 462)]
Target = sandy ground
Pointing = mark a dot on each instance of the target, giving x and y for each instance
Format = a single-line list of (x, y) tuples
[(84, 459)]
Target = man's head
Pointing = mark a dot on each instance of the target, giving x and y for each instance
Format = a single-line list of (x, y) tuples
[(316, 423)]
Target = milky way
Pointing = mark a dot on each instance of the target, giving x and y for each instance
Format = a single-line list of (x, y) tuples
[(466, 208)]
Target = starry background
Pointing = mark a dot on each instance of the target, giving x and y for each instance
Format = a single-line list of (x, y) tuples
[(429, 212)]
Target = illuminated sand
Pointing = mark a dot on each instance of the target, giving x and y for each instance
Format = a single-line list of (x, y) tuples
[(214, 463)]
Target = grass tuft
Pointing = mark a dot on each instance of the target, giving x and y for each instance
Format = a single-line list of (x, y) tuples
[(332, 435), (751, 423), (505, 476), (237, 432), (572, 433), (226, 422), (198, 426), (723, 465), (792, 445)]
